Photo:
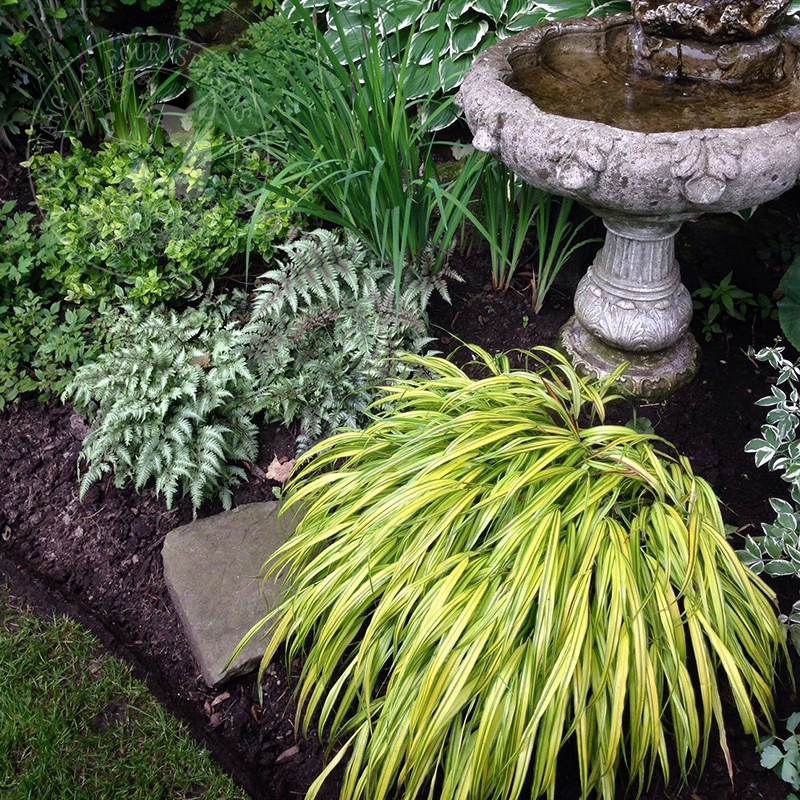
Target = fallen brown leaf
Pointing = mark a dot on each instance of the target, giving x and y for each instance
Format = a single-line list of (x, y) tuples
[(278, 471), (287, 755)]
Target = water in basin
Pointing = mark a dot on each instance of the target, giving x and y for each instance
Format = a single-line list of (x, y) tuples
[(590, 76)]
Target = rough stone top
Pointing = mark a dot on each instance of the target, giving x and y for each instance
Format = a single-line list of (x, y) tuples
[(709, 20)]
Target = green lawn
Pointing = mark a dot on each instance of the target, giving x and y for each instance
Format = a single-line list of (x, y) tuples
[(76, 724)]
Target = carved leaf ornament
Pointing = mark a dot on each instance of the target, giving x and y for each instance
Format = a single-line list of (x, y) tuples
[(705, 163), (580, 159)]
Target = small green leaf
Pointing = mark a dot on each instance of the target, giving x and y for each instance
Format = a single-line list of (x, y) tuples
[(770, 756), (790, 774)]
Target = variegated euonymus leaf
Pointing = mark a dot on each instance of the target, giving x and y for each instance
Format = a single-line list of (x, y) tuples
[(777, 551)]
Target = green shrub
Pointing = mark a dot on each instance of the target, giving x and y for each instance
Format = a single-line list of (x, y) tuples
[(170, 401), (23, 254), (479, 579), (238, 88), (777, 550), (195, 12), (137, 223), (325, 329), (42, 344), (42, 338)]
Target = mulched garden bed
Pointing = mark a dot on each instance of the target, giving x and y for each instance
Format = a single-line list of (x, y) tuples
[(99, 559)]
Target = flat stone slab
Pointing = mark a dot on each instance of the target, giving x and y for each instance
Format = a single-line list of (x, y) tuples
[(212, 568)]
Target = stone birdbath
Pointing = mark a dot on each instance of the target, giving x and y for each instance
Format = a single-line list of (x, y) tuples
[(648, 120)]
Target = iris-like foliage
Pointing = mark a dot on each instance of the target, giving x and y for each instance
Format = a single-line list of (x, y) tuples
[(480, 579)]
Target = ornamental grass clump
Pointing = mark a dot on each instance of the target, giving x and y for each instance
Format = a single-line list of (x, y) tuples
[(482, 579)]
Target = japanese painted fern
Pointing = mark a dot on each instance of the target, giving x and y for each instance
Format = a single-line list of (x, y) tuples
[(326, 327), (176, 398), (171, 402)]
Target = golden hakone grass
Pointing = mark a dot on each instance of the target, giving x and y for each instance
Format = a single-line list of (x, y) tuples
[(479, 578)]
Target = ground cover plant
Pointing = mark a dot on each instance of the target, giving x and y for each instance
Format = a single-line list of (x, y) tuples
[(148, 223), (42, 338), (75, 723), (170, 402), (327, 326), (488, 571)]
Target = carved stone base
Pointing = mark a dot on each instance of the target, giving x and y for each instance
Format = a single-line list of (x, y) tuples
[(632, 296), (648, 376)]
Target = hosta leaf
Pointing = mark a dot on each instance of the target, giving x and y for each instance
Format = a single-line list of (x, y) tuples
[(465, 38), (494, 9), (436, 117), (425, 47), (452, 71), (352, 43), (362, 7), (559, 9), (457, 9), (523, 20), (423, 81), (398, 14)]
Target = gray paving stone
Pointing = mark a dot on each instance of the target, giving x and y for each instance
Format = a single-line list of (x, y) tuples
[(212, 568)]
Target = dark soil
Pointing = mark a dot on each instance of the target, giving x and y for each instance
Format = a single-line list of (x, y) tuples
[(99, 559)]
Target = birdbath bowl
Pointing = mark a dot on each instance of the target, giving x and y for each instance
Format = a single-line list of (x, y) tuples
[(647, 131)]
